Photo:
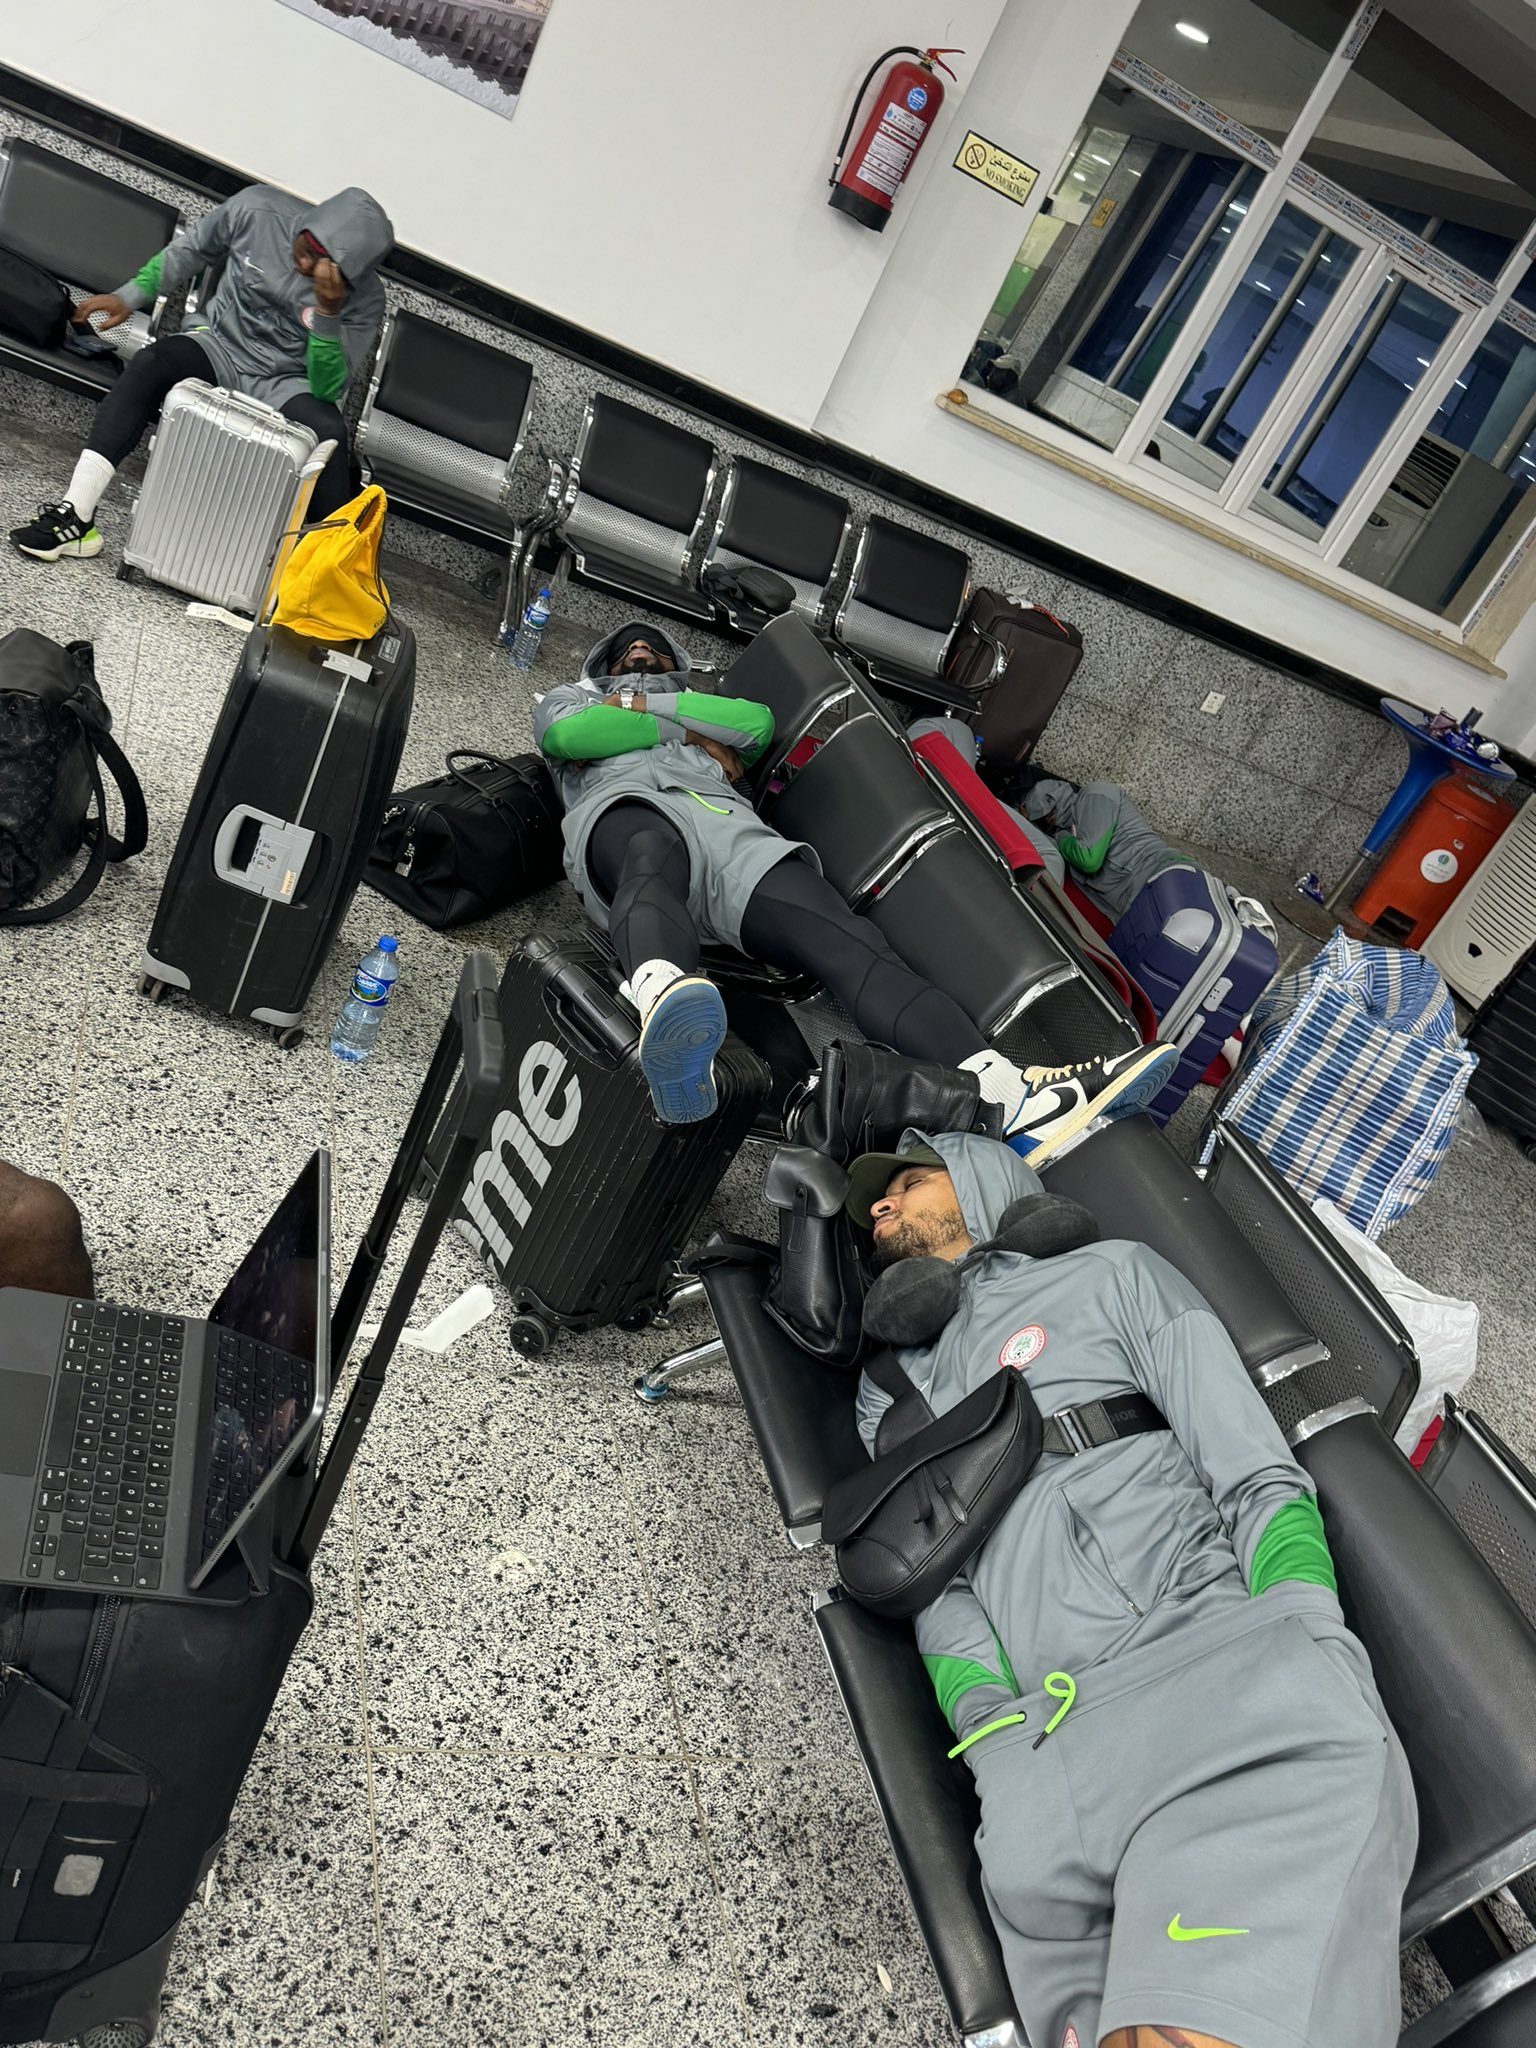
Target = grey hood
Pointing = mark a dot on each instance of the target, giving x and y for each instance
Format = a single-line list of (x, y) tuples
[(987, 1176), (595, 667), (1049, 794), (354, 230)]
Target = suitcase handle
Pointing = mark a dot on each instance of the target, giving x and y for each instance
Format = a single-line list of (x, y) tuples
[(589, 1014)]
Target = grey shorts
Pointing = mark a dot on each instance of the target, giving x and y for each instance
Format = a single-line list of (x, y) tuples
[(1222, 1847)]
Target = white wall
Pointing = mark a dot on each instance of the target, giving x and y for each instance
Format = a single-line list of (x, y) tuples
[(663, 181)]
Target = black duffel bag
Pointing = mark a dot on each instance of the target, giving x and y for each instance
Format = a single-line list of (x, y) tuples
[(55, 739), (471, 841), (33, 305)]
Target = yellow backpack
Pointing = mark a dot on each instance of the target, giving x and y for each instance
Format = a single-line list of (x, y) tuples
[(329, 586)]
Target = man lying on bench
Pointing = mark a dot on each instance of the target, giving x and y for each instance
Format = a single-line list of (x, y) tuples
[(1197, 1823), (662, 844)]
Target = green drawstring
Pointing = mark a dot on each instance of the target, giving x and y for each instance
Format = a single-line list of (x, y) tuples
[(719, 810), (1008, 1721), (1054, 1682)]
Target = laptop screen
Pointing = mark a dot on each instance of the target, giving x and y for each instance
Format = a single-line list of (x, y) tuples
[(270, 1356)]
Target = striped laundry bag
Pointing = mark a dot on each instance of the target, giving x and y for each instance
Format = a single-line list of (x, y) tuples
[(1352, 1080)]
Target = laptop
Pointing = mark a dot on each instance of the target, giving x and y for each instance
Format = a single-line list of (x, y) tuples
[(135, 1447)]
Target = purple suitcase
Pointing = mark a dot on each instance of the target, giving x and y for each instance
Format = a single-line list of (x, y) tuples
[(1202, 967)]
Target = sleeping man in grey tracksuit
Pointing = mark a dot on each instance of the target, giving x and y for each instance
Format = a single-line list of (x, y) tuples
[(665, 849), (1197, 1823)]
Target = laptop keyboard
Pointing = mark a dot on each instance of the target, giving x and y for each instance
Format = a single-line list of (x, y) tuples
[(255, 1388), (100, 1513)]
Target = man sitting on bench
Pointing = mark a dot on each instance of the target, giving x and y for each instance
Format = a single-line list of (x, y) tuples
[(295, 316), (1197, 1822), (662, 845)]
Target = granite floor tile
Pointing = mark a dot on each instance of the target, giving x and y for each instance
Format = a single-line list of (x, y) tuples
[(733, 1598), (531, 1900), (320, 1703), (1311, 741), (285, 1949), (1251, 814), (1173, 784), (501, 1597), (1334, 841), (1174, 696), (830, 1954), (1122, 650), (1082, 740)]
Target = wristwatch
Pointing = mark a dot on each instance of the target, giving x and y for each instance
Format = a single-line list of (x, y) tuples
[(627, 695)]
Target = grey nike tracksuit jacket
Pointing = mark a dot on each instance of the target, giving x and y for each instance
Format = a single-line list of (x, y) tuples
[(730, 849), (1231, 1752)]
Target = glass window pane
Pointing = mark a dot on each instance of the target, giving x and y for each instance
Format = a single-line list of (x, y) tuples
[(1268, 321), (1253, 67), (1384, 360), (1408, 167), (1444, 525)]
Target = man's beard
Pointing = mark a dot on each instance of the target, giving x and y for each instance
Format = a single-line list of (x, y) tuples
[(920, 1237), (639, 665)]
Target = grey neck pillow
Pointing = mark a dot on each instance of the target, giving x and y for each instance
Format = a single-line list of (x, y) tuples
[(910, 1302)]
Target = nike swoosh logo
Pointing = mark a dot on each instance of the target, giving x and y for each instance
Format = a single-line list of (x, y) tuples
[(1178, 1933)]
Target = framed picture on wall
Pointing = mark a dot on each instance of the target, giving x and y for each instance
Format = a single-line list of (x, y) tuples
[(480, 48)]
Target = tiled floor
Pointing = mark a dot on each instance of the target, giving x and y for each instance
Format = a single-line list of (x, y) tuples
[(558, 1759)]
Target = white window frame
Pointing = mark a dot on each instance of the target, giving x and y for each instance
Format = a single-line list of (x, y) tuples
[(1287, 180)]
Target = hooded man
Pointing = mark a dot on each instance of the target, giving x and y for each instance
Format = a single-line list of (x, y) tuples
[(663, 846), (294, 318), (1104, 840), (1197, 1821)]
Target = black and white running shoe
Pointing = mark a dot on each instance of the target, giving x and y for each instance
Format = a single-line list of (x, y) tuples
[(54, 532)]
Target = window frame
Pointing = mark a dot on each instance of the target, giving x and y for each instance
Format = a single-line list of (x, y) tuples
[(1286, 179)]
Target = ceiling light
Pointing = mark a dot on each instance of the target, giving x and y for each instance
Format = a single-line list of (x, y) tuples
[(1190, 33), (1104, 160)]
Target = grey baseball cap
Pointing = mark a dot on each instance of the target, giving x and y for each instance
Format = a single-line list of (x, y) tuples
[(871, 1173)]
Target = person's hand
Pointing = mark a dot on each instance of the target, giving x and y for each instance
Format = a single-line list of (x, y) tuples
[(117, 310), (717, 750), (330, 286)]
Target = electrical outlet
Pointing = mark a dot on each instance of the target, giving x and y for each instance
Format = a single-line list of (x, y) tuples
[(1214, 702)]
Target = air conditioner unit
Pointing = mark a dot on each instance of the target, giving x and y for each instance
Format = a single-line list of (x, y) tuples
[(1491, 926)]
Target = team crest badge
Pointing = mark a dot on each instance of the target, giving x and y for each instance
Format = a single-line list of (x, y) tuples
[(1021, 1350)]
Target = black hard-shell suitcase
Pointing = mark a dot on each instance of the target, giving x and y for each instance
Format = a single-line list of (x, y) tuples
[(1017, 660), (283, 818), (1504, 1039), (580, 1201), (126, 1726)]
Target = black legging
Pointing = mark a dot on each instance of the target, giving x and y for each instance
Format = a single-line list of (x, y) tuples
[(136, 398), (795, 919)]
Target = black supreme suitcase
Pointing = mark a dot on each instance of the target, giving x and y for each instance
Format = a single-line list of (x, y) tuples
[(127, 1726), (579, 1200), (286, 809), (1015, 660), (1504, 1039)]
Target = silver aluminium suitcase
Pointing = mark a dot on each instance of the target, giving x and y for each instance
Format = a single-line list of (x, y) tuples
[(228, 477)]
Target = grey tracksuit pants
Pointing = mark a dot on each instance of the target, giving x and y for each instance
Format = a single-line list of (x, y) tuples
[(1174, 1854)]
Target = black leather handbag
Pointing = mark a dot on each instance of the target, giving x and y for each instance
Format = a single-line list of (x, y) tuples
[(471, 841), (55, 739)]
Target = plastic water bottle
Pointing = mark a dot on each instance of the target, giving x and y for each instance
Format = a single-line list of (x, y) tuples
[(358, 1019), (525, 642)]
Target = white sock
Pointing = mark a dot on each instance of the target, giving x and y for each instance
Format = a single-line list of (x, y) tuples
[(92, 474), (1001, 1081), (650, 980)]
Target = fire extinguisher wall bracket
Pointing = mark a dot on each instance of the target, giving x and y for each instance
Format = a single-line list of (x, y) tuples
[(866, 178)]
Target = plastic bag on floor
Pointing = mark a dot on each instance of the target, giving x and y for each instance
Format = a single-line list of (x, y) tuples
[(1444, 1330)]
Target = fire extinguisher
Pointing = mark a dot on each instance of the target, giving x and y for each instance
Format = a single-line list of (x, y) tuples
[(866, 179)]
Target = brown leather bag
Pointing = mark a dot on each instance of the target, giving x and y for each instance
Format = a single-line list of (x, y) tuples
[(1014, 660)]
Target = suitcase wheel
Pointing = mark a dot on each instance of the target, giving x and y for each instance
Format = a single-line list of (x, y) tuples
[(638, 1318), (157, 991), (530, 1334), (287, 1036), (129, 572)]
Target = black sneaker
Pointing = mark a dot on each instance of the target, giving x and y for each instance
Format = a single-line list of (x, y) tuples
[(1064, 1100), (56, 531)]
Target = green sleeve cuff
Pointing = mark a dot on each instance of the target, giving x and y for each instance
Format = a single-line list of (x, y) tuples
[(599, 733), (753, 720), (954, 1677), (143, 288), (325, 365), (1293, 1547), (1086, 859)]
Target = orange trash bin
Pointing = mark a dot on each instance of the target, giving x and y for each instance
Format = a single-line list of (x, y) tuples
[(1433, 858)]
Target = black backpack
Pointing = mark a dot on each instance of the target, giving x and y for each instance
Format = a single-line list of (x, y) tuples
[(33, 305), (55, 738)]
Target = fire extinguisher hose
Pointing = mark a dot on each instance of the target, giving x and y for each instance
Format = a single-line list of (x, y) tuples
[(901, 50)]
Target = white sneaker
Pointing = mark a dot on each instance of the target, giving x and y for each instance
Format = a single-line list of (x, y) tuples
[(1061, 1101)]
